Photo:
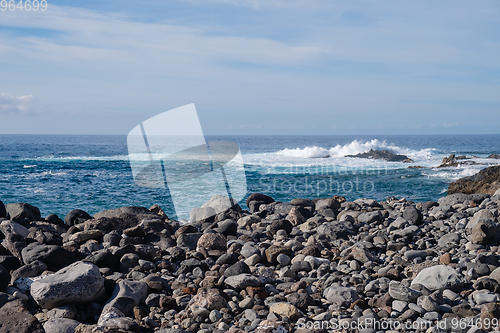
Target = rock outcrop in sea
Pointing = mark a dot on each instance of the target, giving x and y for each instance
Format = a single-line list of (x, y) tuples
[(383, 155), (486, 181), (279, 267)]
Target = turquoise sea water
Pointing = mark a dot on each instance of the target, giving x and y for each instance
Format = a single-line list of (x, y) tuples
[(60, 173)]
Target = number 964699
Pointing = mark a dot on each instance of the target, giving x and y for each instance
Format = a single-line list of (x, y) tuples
[(26, 5)]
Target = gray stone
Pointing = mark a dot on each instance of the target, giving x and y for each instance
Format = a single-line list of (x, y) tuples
[(412, 254), (399, 306), (60, 325), (242, 281), (413, 215), (21, 211), (370, 217), (11, 227), (341, 296), (55, 257), (249, 250), (189, 240), (450, 239), (400, 292), (68, 311), (439, 277), (33, 269), (79, 283), (126, 295)]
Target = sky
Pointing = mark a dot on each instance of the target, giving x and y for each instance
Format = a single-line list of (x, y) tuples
[(253, 67)]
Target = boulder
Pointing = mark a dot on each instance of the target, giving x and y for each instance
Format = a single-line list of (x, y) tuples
[(485, 232), (439, 277), (3, 211), (383, 155), (242, 281), (15, 317), (413, 215), (400, 292), (285, 310), (79, 283), (60, 325), (4, 278), (75, 215), (209, 301), (259, 197), (212, 241), (22, 212), (11, 227), (341, 296), (126, 295), (55, 257), (132, 210), (32, 269), (486, 181)]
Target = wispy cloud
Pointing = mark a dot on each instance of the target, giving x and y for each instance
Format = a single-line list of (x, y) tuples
[(12, 104)]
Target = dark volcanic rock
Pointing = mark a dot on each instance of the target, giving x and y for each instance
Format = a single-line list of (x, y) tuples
[(259, 197), (487, 181), (383, 155), (55, 257), (76, 214), (23, 212), (413, 215), (454, 161), (4, 278), (3, 212), (16, 318)]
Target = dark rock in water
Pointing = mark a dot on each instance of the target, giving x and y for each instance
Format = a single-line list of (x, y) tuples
[(259, 197), (383, 155), (4, 278), (23, 212), (486, 181), (55, 257), (495, 156), (454, 161), (16, 318), (3, 212), (74, 215)]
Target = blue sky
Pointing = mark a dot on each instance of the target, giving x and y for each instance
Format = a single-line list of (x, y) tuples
[(253, 66)]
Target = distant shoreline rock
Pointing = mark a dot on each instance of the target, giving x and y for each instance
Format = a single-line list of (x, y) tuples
[(383, 155), (486, 181)]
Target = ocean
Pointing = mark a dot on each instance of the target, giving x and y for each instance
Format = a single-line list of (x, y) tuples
[(58, 173)]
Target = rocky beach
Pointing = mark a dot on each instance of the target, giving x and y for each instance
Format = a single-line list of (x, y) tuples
[(322, 265)]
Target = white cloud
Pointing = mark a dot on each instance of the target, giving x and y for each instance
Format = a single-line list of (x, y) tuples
[(12, 104)]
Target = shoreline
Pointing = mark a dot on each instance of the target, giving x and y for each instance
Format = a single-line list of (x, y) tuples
[(291, 267)]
